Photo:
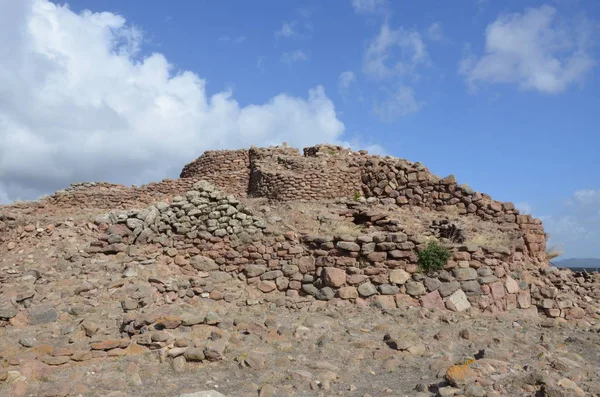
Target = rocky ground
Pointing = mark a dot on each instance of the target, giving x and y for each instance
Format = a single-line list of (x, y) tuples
[(74, 323), (265, 350)]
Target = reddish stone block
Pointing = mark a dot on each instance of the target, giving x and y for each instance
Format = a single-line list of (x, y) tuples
[(432, 300), (497, 290)]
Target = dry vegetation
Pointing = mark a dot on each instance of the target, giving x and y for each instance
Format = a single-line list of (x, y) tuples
[(325, 218)]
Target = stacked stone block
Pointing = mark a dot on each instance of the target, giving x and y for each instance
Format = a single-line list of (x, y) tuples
[(412, 184), (101, 195), (227, 169), (304, 179), (206, 231)]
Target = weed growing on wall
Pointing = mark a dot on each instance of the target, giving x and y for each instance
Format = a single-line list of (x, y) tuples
[(434, 257)]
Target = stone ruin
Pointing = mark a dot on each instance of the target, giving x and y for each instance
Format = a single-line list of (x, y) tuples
[(327, 172), (154, 257), (202, 226)]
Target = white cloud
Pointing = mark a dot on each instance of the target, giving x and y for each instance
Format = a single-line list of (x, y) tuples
[(393, 58), (345, 80), (400, 103), (293, 56), (587, 196), (76, 104), (286, 30), (369, 6), (435, 32), (395, 53), (534, 49), (577, 225)]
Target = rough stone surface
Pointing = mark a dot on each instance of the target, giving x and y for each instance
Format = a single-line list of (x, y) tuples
[(458, 301), (145, 290)]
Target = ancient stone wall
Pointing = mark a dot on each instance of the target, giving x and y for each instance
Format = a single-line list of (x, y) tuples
[(206, 231), (227, 169), (290, 178), (327, 172), (101, 195), (412, 184)]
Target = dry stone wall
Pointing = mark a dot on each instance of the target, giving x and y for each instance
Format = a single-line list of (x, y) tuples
[(101, 195), (327, 172), (227, 169), (212, 234), (304, 179), (407, 183)]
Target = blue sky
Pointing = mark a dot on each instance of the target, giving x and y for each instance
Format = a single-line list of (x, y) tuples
[(501, 94)]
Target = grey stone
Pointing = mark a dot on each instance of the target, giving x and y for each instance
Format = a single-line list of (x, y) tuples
[(289, 270), (366, 290), (444, 275), (215, 350), (178, 364), (487, 279), (203, 263), (220, 232), (129, 304), (28, 342), (475, 391), (310, 289), (191, 319), (212, 318), (471, 287), (465, 273), (114, 238), (432, 284), (484, 271), (272, 275), (308, 278), (220, 277), (7, 311), (194, 354), (348, 246), (387, 289), (415, 289), (254, 270), (325, 294), (134, 223), (448, 288), (42, 314)]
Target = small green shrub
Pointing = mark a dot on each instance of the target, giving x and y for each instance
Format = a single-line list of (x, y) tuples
[(356, 195), (434, 257)]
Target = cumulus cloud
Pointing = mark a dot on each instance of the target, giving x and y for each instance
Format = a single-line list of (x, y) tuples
[(287, 30), (400, 103), (393, 59), (369, 6), (79, 103), (345, 80), (535, 50), (293, 56), (435, 32), (577, 226), (395, 53)]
